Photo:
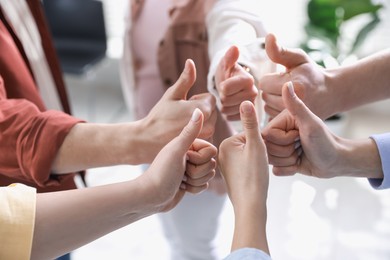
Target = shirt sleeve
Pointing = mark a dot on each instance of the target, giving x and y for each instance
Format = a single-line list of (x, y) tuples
[(383, 143), (30, 140), (17, 218), (232, 22), (248, 254)]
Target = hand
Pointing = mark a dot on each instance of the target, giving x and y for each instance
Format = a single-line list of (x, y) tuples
[(165, 177), (233, 84), (309, 81), (243, 162), (171, 113), (299, 142)]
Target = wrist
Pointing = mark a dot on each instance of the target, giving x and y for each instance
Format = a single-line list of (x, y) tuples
[(138, 143), (330, 94), (250, 229), (137, 199), (362, 159)]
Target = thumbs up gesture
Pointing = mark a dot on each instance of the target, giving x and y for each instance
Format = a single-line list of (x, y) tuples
[(168, 117), (234, 84), (173, 173), (308, 77), (299, 142), (243, 161)]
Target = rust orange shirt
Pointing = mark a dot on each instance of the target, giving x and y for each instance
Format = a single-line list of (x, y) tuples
[(30, 136)]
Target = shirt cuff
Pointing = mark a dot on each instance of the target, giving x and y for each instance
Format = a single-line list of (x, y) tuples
[(248, 254), (383, 143)]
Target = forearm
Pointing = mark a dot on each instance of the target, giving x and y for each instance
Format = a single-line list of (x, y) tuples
[(97, 145), (363, 82), (250, 227), (361, 159), (69, 219)]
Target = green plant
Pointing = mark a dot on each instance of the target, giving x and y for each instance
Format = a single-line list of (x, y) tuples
[(326, 19)]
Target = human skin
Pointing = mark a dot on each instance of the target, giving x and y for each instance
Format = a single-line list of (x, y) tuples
[(299, 142), (66, 220), (325, 91), (234, 84), (243, 162), (96, 145)]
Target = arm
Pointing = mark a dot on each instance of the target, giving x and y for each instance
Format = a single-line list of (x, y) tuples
[(235, 23), (243, 163), (363, 82), (69, 219), (30, 139), (325, 91), (299, 141), (94, 145)]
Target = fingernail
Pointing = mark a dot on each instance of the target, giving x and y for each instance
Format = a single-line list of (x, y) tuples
[(185, 178), (196, 115), (187, 65), (246, 107), (183, 186), (291, 88)]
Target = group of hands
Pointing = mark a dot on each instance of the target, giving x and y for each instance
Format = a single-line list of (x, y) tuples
[(295, 140)]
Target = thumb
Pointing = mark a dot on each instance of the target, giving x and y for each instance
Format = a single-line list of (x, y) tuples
[(186, 80), (191, 131), (250, 122), (289, 58), (230, 58), (296, 106)]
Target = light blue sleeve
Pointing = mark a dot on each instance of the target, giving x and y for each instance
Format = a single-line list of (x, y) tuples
[(248, 254), (383, 143)]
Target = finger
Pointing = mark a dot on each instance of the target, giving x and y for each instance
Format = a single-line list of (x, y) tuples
[(195, 189), (272, 83), (280, 136), (231, 110), (285, 171), (286, 161), (208, 128), (250, 122), (201, 152), (228, 61), (191, 131), (297, 108), (206, 102), (289, 58), (237, 84), (236, 99), (273, 101), (271, 112), (201, 180), (281, 150), (186, 80)]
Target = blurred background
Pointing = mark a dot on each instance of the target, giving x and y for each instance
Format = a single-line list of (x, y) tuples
[(342, 218)]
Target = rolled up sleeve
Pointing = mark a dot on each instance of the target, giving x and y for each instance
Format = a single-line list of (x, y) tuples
[(30, 140)]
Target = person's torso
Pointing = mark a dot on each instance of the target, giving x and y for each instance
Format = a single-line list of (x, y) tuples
[(164, 35)]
